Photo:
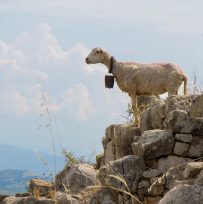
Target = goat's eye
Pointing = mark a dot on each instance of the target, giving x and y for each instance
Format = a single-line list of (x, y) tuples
[(96, 52)]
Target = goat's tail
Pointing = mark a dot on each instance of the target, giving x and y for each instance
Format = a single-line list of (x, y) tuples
[(185, 85)]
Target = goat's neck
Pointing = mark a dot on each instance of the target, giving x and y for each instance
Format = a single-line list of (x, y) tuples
[(106, 60)]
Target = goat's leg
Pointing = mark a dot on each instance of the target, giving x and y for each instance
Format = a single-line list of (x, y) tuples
[(173, 87), (136, 111)]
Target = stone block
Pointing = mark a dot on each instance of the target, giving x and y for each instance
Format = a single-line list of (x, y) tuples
[(131, 168), (196, 147), (181, 149), (153, 118), (170, 161), (156, 190), (183, 194), (192, 169), (151, 173), (179, 121), (152, 200), (143, 184), (197, 107), (76, 177), (186, 138), (153, 144), (117, 141), (40, 187)]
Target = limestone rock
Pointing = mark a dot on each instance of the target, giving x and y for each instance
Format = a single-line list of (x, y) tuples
[(104, 196), (109, 152), (127, 200), (109, 149), (153, 144), (153, 118), (153, 179), (180, 122), (151, 173), (100, 160), (196, 147), (184, 194), (76, 177), (181, 149), (130, 168), (152, 163), (173, 176), (144, 101), (192, 169), (64, 198), (2, 197), (60, 198), (152, 200), (142, 192), (156, 190), (117, 141), (199, 180), (177, 121), (186, 138), (170, 161), (11, 200), (123, 138), (197, 107), (178, 102), (143, 184), (200, 175), (27, 200), (40, 187), (178, 175), (157, 187)]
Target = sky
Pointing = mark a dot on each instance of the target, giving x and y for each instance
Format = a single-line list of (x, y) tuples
[(43, 45)]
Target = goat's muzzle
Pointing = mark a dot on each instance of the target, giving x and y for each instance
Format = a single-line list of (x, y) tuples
[(87, 60)]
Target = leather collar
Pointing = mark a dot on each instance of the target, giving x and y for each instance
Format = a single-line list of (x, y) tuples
[(111, 64)]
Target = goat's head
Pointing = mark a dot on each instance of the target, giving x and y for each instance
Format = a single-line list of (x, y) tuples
[(95, 56)]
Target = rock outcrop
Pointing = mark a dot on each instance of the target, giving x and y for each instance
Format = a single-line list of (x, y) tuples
[(76, 178), (130, 168), (117, 141), (153, 144), (182, 194), (40, 187), (159, 163)]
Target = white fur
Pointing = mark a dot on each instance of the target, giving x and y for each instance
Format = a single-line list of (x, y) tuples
[(142, 79)]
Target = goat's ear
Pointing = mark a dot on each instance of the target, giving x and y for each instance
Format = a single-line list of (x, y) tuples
[(100, 50)]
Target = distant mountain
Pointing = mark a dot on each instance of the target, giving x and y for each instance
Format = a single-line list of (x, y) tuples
[(23, 159), (16, 181)]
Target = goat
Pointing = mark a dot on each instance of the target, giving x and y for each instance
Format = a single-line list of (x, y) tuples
[(141, 79)]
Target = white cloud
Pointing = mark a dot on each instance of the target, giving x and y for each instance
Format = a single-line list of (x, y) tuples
[(36, 63), (14, 103), (78, 98)]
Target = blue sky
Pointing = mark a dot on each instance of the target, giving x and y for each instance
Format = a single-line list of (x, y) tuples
[(43, 44)]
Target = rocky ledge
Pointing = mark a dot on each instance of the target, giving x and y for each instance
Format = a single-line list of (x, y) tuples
[(159, 163)]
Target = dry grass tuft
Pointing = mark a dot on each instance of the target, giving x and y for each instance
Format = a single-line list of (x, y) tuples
[(196, 87), (120, 178)]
